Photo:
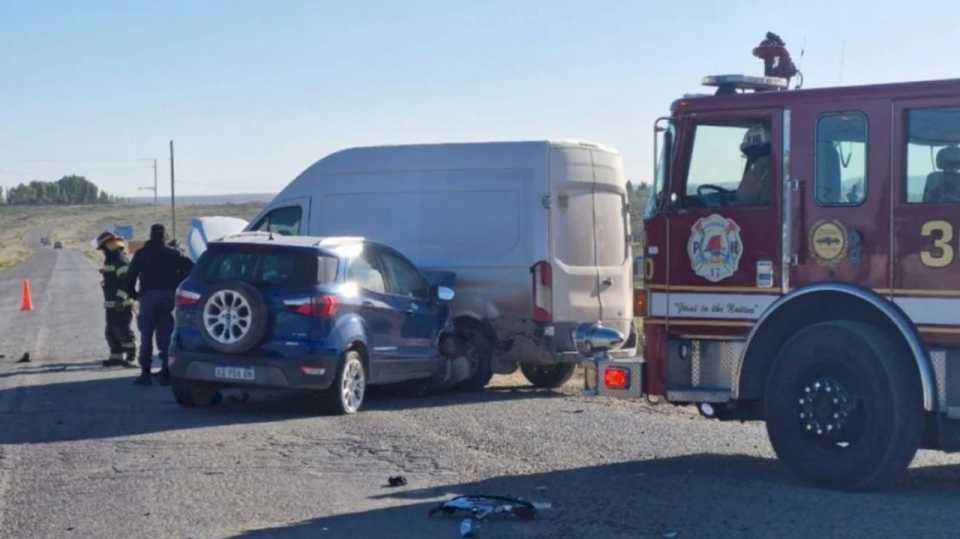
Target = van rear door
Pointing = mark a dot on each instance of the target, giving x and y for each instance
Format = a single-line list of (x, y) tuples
[(611, 232), (589, 229), (572, 238)]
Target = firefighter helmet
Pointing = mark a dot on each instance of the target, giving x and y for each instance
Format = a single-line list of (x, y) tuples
[(756, 141), (104, 237)]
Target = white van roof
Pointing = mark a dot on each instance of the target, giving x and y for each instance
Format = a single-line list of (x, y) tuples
[(265, 238), (440, 156)]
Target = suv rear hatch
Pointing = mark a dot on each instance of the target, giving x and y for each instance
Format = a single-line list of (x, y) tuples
[(286, 278)]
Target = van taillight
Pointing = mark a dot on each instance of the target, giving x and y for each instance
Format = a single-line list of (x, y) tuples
[(319, 307), (639, 302), (542, 291), (616, 378), (186, 298)]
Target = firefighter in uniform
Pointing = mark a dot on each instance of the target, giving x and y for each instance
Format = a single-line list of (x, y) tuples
[(117, 302), (159, 269), (754, 187)]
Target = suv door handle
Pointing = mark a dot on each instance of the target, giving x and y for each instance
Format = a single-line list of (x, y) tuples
[(413, 309), (607, 282), (366, 303)]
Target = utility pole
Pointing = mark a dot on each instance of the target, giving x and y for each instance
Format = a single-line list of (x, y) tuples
[(173, 197), (155, 188), (156, 196)]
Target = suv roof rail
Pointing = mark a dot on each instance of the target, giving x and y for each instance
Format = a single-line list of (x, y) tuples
[(249, 234)]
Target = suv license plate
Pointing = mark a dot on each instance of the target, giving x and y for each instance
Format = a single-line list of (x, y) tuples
[(235, 373)]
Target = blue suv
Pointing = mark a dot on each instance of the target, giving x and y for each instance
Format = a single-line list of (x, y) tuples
[(326, 314)]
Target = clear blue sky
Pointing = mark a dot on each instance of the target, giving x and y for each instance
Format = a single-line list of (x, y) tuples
[(254, 92)]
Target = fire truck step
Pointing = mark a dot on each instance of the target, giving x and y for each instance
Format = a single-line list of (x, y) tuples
[(698, 395)]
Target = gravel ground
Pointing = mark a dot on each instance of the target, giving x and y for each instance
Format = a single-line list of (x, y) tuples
[(83, 453)]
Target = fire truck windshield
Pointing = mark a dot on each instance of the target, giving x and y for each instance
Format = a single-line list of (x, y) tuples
[(663, 150)]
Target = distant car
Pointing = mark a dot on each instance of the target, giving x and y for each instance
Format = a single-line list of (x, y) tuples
[(331, 315), (58, 245)]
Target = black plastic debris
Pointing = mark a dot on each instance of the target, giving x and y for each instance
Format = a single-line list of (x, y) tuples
[(397, 481), (482, 506), (25, 358)]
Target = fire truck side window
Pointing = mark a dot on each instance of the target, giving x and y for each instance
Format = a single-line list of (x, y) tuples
[(841, 159), (731, 165), (933, 156)]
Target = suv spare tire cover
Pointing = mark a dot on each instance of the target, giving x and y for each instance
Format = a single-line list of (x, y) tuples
[(233, 317)]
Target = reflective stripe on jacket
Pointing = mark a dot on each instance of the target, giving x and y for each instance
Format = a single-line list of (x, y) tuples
[(115, 284)]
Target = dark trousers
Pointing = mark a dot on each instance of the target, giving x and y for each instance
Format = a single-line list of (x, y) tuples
[(155, 319), (119, 334)]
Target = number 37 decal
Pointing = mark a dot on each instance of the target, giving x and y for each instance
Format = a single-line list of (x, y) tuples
[(941, 253)]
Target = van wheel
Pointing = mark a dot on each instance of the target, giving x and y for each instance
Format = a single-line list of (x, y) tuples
[(190, 394), (842, 409), (479, 352), (548, 376), (345, 395)]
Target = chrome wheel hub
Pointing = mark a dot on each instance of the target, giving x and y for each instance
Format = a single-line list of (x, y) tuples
[(825, 408), (353, 386)]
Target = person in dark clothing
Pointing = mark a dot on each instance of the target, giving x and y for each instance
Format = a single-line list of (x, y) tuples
[(159, 269), (117, 302)]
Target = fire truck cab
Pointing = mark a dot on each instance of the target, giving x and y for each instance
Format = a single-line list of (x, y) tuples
[(801, 265)]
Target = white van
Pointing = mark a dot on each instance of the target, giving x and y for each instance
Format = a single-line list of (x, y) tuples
[(537, 234)]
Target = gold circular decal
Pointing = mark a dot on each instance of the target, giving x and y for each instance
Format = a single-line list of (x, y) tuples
[(828, 241)]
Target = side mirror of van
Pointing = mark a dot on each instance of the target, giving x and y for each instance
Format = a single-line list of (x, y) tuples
[(444, 294)]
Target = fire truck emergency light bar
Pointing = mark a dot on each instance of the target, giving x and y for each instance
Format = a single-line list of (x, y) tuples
[(728, 84)]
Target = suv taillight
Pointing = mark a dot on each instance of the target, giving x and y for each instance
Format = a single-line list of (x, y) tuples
[(542, 291), (319, 307), (186, 298)]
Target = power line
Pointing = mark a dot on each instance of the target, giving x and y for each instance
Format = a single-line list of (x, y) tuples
[(55, 161)]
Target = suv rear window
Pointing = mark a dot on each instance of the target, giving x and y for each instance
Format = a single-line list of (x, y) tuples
[(276, 267)]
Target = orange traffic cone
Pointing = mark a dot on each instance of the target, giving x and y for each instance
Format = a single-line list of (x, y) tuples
[(26, 298)]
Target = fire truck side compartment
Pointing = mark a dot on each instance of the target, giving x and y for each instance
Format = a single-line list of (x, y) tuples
[(702, 370)]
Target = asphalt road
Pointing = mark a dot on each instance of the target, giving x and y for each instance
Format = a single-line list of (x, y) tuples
[(83, 453)]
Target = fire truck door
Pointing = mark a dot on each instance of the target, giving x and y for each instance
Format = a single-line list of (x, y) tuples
[(724, 232), (840, 161), (926, 153)]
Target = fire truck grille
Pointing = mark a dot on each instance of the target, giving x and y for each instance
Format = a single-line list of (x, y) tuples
[(713, 365)]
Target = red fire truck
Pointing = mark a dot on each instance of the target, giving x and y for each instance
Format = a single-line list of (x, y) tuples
[(801, 268)]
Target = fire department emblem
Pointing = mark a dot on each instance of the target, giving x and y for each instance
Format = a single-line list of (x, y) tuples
[(715, 247), (829, 242)]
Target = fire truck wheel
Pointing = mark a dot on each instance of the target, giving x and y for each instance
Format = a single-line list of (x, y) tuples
[(842, 409), (548, 376)]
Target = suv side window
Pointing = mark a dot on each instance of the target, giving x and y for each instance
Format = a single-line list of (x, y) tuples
[(284, 221), (405, 280), (366, 272), (731, 165)]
